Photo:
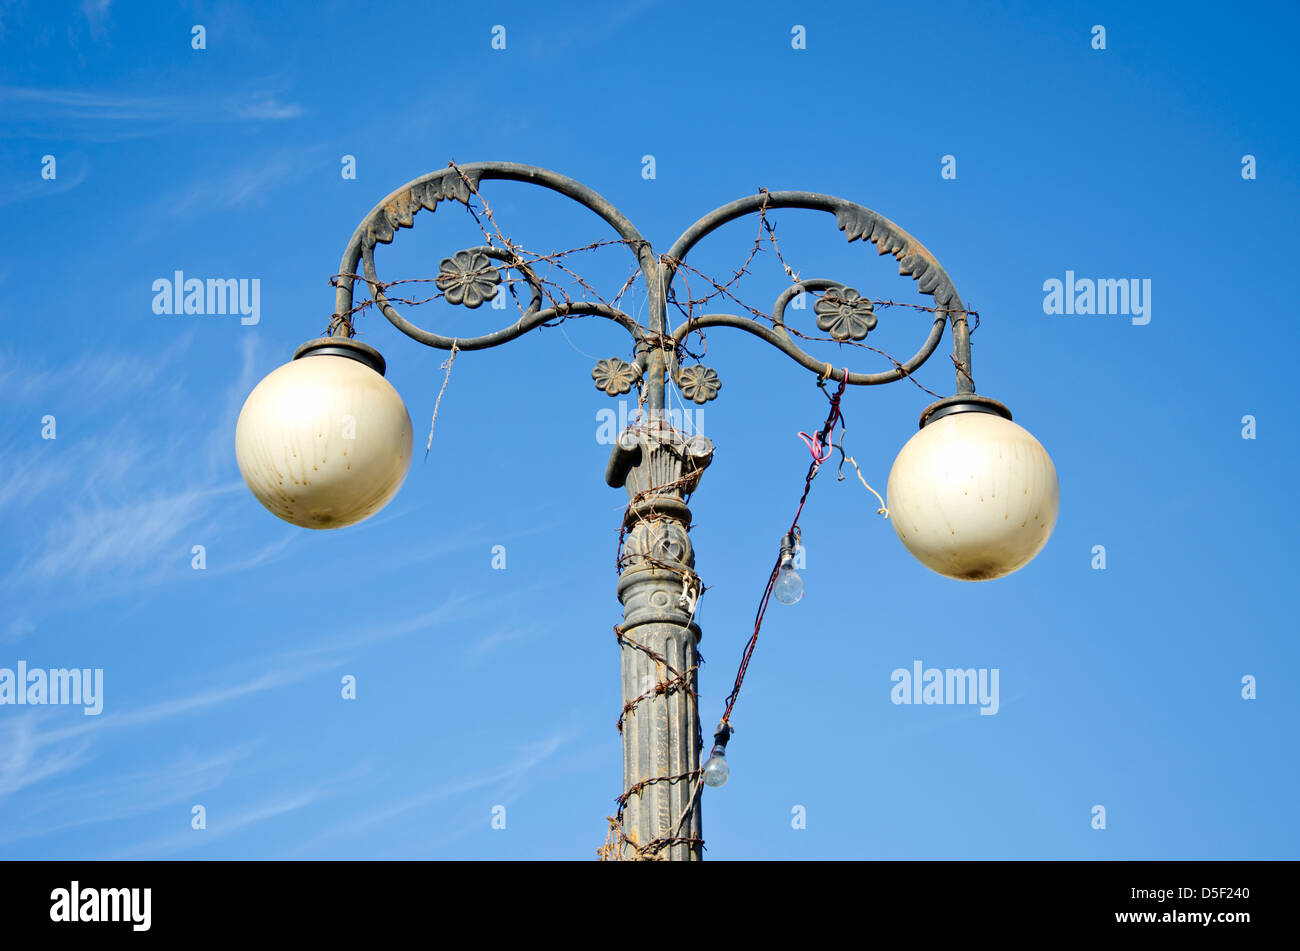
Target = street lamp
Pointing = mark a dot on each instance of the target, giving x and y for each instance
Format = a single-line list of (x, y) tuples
[(325, 441)]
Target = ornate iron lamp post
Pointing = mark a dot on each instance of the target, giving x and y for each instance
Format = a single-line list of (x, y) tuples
[(325, 441)]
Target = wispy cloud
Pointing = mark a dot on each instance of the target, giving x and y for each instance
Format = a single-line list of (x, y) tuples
[(86, 480), (242, 187), (142, 538), (277, 675), (34, 749), (99, 523), (82, 104), (270, 109), (17, 629), (267, 554), (139, 792), (220, 827), (22, 762), (39, 745), (95, 464), (505, 779), (95, 375), (458, 607), (101, 461), (59, 105), (96, 14), (500, 637), (221, 440), (71, 173), (592, 29)]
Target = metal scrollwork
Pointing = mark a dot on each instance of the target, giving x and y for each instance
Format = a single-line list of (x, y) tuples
[(398, 211), (841, 312), (657, 464), (468, 278)]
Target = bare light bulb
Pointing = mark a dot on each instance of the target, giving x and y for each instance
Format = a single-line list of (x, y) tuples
[(789, 586), (716, 771)]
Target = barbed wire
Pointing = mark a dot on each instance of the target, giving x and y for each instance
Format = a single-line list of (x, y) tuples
[(640, 509), (558, 296), (555, 293), (640, 512), (828, 295)]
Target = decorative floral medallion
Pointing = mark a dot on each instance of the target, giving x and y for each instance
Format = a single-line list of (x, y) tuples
[(615, 376), (845, 314), (698, 383), (468, 277)]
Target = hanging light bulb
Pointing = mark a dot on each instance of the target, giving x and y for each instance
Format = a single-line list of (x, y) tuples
[(788, 588), (716, 770)]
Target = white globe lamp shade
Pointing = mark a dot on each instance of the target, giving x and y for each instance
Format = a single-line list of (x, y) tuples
[(325, 441), (972, 495)]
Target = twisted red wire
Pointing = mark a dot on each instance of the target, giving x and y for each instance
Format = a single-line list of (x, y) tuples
[(820, 447)]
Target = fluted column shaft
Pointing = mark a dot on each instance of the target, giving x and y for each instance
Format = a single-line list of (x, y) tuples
[(659, 467)]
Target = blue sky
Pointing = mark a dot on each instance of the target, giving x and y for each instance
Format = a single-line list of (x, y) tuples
[(480, 688)]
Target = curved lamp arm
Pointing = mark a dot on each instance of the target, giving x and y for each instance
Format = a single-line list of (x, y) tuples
[(286, 439), (842, 311), (398, 210), (849, 317)]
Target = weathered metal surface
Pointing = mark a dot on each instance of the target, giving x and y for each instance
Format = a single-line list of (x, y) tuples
[(659, 641), (399, 209), (615, 376), (779, 337), (962, 403), (657, 465), (857, 222), (344, 347)]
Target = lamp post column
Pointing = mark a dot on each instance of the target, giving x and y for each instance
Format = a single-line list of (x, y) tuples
[(658, 640)]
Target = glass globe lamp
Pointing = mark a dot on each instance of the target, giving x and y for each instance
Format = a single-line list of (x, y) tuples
[(973, 496), (325, 441)]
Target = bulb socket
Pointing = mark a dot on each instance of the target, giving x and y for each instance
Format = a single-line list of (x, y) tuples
[(964, 403), (789, 542), (721, 737), (343, 347)]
